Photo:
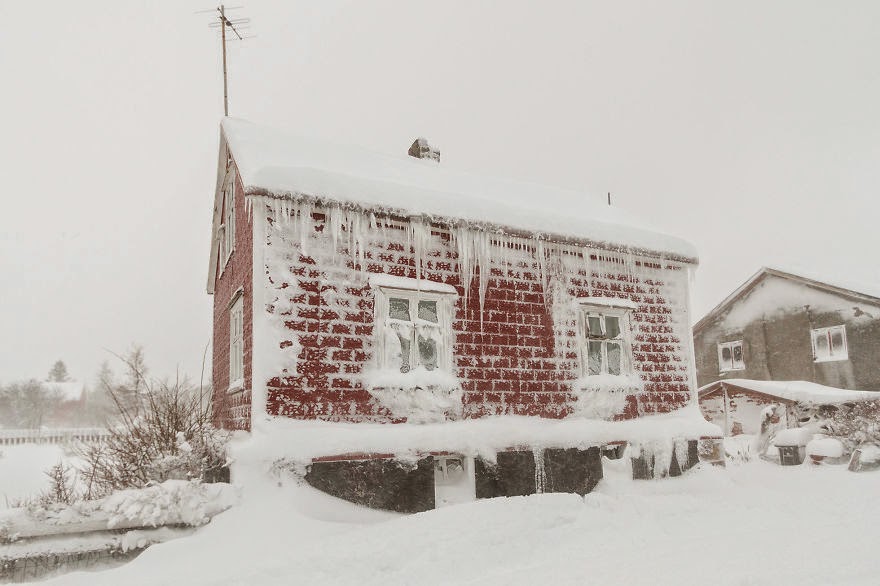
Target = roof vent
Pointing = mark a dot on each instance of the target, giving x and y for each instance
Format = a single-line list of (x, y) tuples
[(420, 149)]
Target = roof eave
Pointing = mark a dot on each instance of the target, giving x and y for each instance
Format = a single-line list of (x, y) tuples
[(257, 191)]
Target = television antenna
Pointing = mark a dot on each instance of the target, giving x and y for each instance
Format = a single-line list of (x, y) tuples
[(238, 32)]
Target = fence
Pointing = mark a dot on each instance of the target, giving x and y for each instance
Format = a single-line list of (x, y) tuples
[(10, 437)]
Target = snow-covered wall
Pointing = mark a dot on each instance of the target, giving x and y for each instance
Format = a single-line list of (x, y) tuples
[(232, 407), (774, 320), (514, 345)]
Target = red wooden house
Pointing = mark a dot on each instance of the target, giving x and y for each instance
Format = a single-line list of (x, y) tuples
[(357, 288)]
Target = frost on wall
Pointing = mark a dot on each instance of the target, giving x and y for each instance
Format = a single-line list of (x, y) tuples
[(605, 396), (513, 344)]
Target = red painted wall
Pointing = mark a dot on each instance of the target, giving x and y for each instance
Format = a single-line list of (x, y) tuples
[(507, 365), (232, 409)]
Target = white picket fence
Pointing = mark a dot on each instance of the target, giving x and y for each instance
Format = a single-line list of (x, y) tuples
[(10, 437)]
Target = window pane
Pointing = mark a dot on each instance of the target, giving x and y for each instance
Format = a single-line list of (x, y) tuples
[(613, 351), (726, 361), (399, 309), (821, 345), (738, 356), (428, 311), (428, 353), (594, 326), (594, 357), (837, 342), (403, 355), (612, 326)]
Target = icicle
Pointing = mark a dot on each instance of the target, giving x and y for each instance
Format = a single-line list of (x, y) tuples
[(542, 263), (540, 472)]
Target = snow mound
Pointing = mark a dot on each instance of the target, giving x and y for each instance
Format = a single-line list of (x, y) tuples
[(826, 446)]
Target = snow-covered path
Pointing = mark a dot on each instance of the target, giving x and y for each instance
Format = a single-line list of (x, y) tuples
[(747, 525)]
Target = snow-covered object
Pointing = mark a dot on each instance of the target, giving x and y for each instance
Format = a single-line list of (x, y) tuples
[(419, 396), (798, 391), (302, 441), (826, 447), (795, 436), (174, 502), (604, 396), (281, 165)]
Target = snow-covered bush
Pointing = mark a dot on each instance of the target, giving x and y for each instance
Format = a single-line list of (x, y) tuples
[(168, 436), (854, 424)]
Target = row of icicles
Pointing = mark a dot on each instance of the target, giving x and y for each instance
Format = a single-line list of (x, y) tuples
[(352, 230)]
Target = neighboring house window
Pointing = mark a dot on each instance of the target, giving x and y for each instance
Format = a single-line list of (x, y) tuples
[(606, 341), (417, 329), (236, 343), (730, 356), (829, 344)]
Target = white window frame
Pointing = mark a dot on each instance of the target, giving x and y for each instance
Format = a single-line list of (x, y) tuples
[(624, 338), (831, 355), (734, 365), (445, 309), (227, 228), (236, 343)]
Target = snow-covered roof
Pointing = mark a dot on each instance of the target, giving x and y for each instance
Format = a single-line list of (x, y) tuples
[(69, 391), (275, 163), (856, 291), (798, 391)]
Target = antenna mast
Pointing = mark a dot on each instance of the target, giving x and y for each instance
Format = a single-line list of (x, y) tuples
[(236, 25)]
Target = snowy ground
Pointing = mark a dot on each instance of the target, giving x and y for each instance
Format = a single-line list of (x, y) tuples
[(750, 524), (23, 470)]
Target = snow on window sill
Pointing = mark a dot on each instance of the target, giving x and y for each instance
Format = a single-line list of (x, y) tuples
[(609, 302), (602, 396), (724, 370), (236, 386), (420, 395), (832, 359)]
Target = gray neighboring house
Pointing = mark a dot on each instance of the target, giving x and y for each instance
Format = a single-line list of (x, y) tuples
[(783, 326)]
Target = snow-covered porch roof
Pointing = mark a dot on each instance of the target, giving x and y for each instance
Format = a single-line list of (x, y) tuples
[(798, 391), (280, 165)]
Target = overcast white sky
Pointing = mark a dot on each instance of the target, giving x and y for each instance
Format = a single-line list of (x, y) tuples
[(750, 128)]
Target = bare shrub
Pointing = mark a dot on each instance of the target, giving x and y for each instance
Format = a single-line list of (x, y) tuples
[(165, 434), (61, 487), (854, 424)]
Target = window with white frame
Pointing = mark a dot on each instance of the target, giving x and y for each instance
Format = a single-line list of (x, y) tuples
[(606, 342), (236, 343), (414, 329), (730, 356), (228, 225), (829, 344)]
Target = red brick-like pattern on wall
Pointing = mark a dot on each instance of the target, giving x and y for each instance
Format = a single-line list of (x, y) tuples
[(232, 409), (515, 360)]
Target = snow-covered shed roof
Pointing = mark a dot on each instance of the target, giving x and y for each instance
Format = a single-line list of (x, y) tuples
[(69, 391), (278, 164), (857, 292), (797, 391)]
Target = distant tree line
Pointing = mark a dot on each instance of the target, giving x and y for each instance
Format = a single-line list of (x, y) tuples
[(31, 404)]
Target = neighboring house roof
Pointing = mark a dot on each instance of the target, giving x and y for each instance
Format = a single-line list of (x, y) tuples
[(863, 293), (277, 164), (69, 391), (797, 391)]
